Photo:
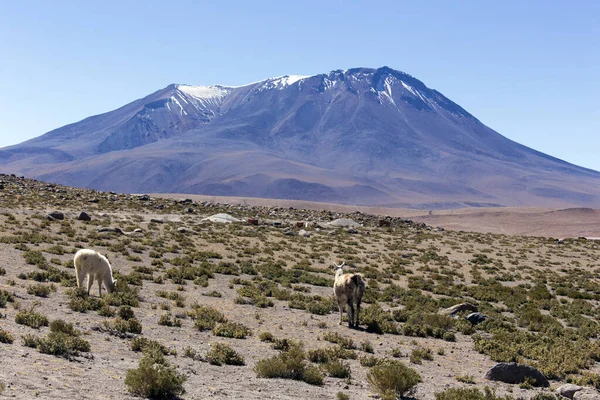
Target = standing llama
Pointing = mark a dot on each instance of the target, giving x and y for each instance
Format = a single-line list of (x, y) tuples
[(93, 264), (348, 290)]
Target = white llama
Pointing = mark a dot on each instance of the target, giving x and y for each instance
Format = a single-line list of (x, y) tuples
[(348, 290), (93, 264)]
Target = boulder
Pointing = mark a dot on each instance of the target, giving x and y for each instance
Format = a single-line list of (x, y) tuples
[(304, 233), (56, 215), (458, 308), (83, 216), (343, 222), (222, 218), (516, 373), (108, 229), (476, 318), (586, 394), (568, 390)]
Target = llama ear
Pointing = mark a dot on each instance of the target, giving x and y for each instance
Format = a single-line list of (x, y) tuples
[(342, 264)]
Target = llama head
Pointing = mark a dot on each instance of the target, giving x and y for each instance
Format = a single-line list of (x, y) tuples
[(338, 268), (113, 287)]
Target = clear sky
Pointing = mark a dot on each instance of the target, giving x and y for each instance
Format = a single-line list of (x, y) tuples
[(528, 69)]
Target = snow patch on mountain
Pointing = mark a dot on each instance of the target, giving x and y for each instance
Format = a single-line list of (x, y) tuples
[(205, 92)]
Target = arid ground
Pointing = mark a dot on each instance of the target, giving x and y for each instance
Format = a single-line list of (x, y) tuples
[(272, 284)]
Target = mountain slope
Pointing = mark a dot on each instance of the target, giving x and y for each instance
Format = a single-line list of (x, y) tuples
[(359, 136)]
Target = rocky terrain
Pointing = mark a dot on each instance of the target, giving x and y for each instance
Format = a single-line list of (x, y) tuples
[(200, 293)]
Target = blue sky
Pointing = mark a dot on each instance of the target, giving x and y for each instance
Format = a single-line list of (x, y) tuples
[(530, 70)]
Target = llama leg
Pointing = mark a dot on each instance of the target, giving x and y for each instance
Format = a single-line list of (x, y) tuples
[(350, 314), (341, 306), (90, 283), (80, 278), (99, 278), (357, 314)]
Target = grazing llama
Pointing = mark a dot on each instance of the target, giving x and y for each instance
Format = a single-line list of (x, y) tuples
[(348, 290), (93, 264)]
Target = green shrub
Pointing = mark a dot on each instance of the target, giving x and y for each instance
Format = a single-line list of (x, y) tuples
[(469, 394), (62, 341), (368, 361), (154, 378), (126, 313), (342, 396), (81, 302), (6, 337), (367, 347), (266, 337), (206, 318), (148, 345), (232, 330), (221, 353), (290, 364), (168, 319), (31, 318), (5, 297), (343, 341), (337, 369), (419, 354), (39, 290), (465, 379), (392, 379)]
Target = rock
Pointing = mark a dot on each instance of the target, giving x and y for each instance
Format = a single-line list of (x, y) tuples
[(56, 215), (458, 308), (277, 223), (221, 218), (300, 224), (107, 229), (304, 233), (476, 318), (385, 223), (516, 373), (289, 232), (586, 394), (568, 390), (157, 221), (352, 231), (252, 221), (143, 197), (181, 230), (93, 201), (83, 216), (344, 222)]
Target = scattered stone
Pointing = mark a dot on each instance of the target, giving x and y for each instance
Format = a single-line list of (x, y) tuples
[(586, 394), (384, 223), (459, 307), (93, 201), (143, 197), (252, 221), (290, 233), (83, 216), (56, 215), (222, 218), (299, 224), (352, 231), (476, 318), (181, 230), (157, 221), (568, 390), (516, 373), (277, 223), (560, 241), (304, 233)]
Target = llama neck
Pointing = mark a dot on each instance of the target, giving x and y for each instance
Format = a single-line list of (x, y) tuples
[(339, 272)]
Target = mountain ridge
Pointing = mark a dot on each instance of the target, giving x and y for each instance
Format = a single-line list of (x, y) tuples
[(360, 136)]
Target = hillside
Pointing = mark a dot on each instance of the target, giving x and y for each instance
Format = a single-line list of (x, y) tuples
[(272, 285), (375, 137)]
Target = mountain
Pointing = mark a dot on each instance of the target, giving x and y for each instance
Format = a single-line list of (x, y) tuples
[(360, 136)]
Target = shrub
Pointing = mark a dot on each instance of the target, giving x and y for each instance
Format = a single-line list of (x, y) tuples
[(81, 302), (392, 379), (5, 297), (6, 337), (126, 313), (154, 378), (368, 361), (232, 330), (335, 337), (337, 369), (290, 364), (342, 396), (62, 341), (465, 379), (419, 354), (206, 318), (148, 345), (266, 337), (39, 290), (169, 320), (221, 353), (31, 318), (367, 347), (469, 394)]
